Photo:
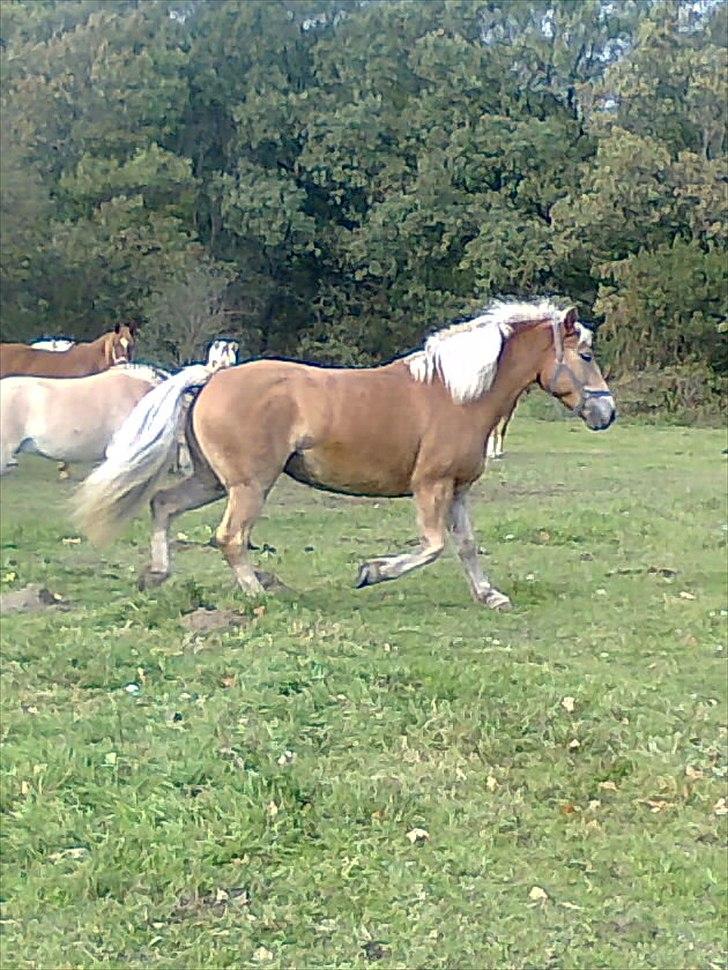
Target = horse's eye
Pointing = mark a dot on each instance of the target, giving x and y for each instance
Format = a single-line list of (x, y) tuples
[(585, 355)]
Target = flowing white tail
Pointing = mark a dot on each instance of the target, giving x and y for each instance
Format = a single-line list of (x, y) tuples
[(136, 459)]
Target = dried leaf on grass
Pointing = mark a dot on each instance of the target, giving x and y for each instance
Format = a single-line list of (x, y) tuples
[(656, 805), (538, 895), (418, 836)]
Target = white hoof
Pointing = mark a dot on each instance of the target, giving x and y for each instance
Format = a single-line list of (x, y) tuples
[(494, 600)]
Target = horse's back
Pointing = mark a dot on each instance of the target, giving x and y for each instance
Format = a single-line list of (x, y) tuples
[(347, 429), (20, 360)]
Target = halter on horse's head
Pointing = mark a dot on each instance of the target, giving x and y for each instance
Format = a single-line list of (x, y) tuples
[(570, 373), (119, 344)]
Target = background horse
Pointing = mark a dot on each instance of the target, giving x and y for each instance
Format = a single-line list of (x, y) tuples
[(53, 343), (497, 437), (80, 360), (416, 426), (223, 353), (69, 419)]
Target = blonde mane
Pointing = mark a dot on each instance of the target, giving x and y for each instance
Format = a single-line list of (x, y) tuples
[(145, 372), (465, 356)]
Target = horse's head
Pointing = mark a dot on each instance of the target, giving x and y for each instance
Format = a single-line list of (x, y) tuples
[(222, 353), (570, 373), (120, 344)]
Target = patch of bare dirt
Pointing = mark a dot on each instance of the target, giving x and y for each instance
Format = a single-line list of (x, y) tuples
[(31, 599), (218, 902), (205, 621)]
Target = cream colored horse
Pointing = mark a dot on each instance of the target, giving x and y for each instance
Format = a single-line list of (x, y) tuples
[(416, 426), (68, 419)]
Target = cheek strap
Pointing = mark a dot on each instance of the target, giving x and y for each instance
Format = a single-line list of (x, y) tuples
[(562, 368)]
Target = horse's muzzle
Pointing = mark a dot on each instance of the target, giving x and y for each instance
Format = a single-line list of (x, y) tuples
[(599, 412)]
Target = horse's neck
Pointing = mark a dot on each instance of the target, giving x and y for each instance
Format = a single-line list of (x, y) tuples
[(516, 371), (93, 353)]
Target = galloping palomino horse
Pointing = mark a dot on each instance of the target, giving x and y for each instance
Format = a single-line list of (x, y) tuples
[(416, 426), (497, 437), (69, 419), (80, 360)]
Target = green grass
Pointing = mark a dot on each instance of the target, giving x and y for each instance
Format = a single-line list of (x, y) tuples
[(159, 829)]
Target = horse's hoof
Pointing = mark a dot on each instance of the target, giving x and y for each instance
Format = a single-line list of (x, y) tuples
[(498, 601), (270, 582), (149, 579), (365, 577), (495, 600)]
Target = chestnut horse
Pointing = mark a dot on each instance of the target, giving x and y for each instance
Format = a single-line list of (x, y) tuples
[(80, 360), (416, 426), (53, 343)]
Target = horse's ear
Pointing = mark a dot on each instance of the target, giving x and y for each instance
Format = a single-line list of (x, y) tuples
[(570, 321), (117, 328)]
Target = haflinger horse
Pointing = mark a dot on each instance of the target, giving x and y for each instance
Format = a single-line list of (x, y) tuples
[(79, 360), (69, 419), (496, 439), (416, 426)]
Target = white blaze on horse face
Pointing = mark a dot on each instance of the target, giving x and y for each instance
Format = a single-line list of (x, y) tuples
[(222, 353), (586, 336)]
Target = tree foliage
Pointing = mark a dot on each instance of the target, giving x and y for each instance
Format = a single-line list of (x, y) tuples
[(358, 171)]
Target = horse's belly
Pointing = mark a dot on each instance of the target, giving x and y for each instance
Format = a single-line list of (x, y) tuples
[(68, 447), (336, 471), (70, 441)]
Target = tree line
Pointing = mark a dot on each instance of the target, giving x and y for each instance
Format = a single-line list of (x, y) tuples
[(334, 178)]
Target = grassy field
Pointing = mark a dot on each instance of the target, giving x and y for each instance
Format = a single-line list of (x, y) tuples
[(251, 797)]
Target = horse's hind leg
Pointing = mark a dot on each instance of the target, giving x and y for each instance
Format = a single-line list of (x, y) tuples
[(463, 537), (191, 493), (433, 502), (245, 503)]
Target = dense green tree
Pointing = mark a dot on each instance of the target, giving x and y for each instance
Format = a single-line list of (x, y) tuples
[(346, 174)]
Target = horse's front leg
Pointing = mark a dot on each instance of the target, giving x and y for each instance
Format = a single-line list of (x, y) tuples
[(433, 502), (64, 471), (461, 530)]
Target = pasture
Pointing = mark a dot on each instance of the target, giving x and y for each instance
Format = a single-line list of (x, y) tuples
[(252, 796)]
